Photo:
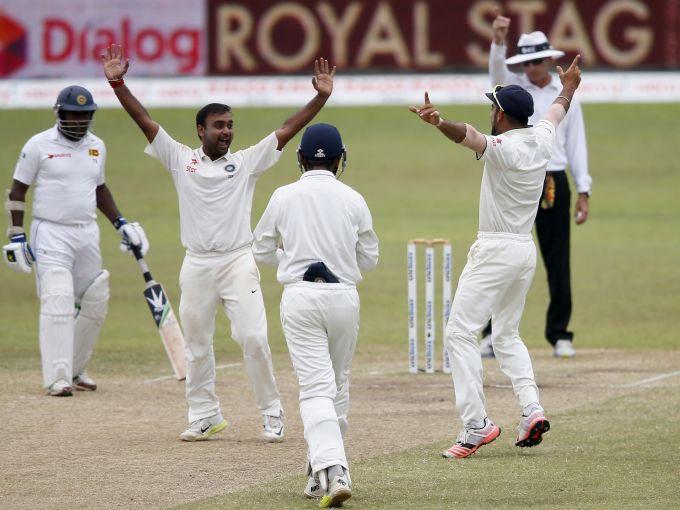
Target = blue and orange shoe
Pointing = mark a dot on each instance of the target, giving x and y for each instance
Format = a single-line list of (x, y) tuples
[(470, 440), (531, 429)]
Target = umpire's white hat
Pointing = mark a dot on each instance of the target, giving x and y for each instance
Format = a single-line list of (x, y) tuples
[(533, 46)]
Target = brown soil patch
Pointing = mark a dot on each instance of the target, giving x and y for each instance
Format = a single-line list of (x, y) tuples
[(118, 447)]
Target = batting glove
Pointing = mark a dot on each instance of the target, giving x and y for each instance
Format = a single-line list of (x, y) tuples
[(18, 254), (132, 234)]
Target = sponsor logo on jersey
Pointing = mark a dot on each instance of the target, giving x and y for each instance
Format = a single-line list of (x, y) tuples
[(63, 155), (191, 167)]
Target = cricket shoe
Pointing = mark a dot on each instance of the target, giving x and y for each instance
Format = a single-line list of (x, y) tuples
[(531, 429), (60, 388), (201, 430), (339, 489), (84, 382), (313, 489), (486, 347), (274, 429), (470, 440), (564, 349)]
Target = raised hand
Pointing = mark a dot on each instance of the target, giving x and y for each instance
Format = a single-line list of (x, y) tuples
[(572, 76), (323, 77), (500, 26), (427, 112), (115, 66)]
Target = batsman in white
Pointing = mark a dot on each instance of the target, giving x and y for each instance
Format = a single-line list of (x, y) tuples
[(215, 188), (501, 263), (327, 235), (65, 164)]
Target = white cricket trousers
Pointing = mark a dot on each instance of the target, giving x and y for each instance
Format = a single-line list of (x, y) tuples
[(321, 325), (72, 251), (493, 284), (232, 280)]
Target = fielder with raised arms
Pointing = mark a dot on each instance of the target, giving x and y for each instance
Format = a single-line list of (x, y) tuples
[(215, 188), (501, 263), (65, 164), (327, 235)]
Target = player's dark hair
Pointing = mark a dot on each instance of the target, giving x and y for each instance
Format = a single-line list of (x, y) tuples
[(210, 109)]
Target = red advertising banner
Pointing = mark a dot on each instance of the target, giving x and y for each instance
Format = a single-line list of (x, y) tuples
[(266, 37)]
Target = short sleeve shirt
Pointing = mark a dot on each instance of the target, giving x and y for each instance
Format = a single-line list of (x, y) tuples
[(215, 197), (64, 174), (514, 171)]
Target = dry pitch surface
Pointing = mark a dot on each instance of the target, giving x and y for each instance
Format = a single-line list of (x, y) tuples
[(118, 447)]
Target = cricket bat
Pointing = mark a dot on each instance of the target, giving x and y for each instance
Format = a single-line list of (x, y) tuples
[(164, 317)]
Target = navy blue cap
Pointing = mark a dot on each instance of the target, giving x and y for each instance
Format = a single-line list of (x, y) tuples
[(321, 142), (75, 99), (513, 100)]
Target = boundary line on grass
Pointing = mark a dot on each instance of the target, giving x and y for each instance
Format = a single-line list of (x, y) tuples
[(166, 377)]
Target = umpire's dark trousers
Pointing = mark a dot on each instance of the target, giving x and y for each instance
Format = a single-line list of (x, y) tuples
[(552, 229)]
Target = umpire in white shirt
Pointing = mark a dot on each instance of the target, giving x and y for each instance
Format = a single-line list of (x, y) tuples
[(553, 219), (327, 235)]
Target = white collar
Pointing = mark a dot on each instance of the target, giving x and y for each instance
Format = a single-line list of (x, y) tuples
[(202, 155), (317, 173)]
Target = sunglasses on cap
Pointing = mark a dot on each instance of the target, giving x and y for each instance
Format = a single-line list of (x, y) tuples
[(536, 62), (495, 97)]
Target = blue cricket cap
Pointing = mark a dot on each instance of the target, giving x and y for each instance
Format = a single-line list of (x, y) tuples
[(321, 142), (513, 100)]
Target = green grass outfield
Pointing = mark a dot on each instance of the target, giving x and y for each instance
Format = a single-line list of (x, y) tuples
[(625, 264)]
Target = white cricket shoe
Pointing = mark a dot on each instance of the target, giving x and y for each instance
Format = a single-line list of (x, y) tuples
[(60, 388), (274, 429), (339, 488), (84, 382), (564, 349), (486, 348), (202, 429), (313, 489)]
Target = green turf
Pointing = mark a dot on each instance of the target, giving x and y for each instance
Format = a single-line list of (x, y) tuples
[(625, 258), (594, 458)]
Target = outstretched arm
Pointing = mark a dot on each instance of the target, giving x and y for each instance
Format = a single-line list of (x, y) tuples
[(323, 84), (459, 132), (571, 78), (115, 67), (498, 70)]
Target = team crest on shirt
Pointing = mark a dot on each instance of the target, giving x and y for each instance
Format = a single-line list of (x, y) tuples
[(94, 153), (230, 169)]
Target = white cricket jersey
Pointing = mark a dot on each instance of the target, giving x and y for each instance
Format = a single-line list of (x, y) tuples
[(514, 171), (318, 219), (571, 147), (64, 175), (215, 197)]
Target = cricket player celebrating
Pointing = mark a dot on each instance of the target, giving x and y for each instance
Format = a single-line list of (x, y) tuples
[(327, 235), (553, 218), (215, 189), (66, 166), (501, 263)]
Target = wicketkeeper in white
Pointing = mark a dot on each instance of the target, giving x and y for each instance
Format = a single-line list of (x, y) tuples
[(327, 235), (215, 189), (501, 263), (65, 165)]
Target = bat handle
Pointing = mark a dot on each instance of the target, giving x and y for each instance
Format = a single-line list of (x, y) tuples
[(142, 263)]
